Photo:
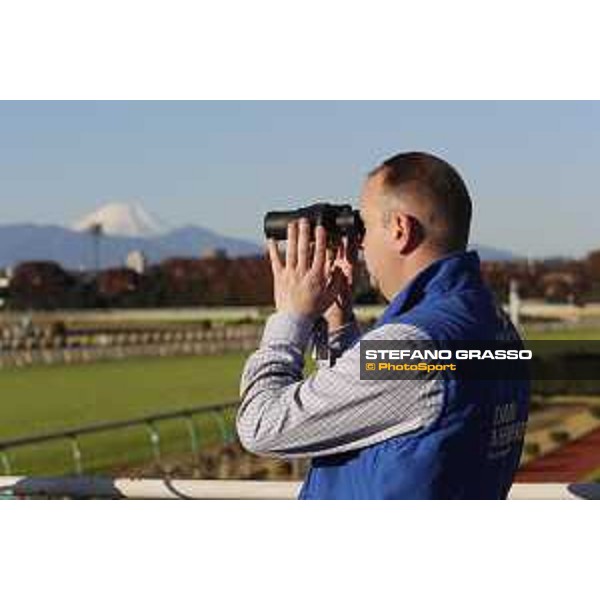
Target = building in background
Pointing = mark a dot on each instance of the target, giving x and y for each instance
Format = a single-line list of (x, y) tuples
[(137, 261), (5, 276), (214, 253)]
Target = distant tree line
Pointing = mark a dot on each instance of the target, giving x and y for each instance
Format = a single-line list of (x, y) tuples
[(222, 281), (574, 281), (176, 282)]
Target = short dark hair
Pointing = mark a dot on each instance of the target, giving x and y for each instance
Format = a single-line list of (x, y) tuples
[(423, 175)]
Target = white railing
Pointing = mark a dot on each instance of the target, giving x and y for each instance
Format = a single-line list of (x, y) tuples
[(188, 489)]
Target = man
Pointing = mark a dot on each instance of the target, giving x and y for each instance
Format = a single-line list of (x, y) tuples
[(434, 437)]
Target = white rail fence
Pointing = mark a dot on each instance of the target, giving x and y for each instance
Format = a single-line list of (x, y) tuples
[(187, 489)]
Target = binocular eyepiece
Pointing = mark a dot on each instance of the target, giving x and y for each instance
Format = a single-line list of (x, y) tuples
[(339, 220)]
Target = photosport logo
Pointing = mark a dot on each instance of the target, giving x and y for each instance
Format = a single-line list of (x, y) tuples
[(489, 360)]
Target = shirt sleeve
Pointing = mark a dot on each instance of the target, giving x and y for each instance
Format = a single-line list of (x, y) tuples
[(332, 411)]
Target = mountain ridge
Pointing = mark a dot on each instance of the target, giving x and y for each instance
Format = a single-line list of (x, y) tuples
[(74, 250)]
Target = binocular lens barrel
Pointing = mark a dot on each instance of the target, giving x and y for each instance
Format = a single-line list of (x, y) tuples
[(338, 220), (276, 223)]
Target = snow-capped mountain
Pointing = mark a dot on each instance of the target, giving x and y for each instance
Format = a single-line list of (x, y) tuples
[(125, 228), (121, 219)]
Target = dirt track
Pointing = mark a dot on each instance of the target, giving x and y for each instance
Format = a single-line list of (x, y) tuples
[(573, 462)]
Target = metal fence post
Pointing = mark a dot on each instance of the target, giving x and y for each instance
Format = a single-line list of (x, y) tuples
[(77, 457), (193, 431), (218, 417), (5, 462), (154, 439)]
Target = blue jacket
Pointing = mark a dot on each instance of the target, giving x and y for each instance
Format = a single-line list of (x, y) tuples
[(471, 450)]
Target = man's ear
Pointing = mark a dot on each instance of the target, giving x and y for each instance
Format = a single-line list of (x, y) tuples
[(407, 231)]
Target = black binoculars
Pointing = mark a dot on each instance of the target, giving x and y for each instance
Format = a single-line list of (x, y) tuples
[(339, 220)]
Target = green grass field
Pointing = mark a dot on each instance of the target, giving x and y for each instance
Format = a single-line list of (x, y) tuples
[(47, 399)]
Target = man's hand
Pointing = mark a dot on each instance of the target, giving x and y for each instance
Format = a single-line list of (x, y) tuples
[(303, 285), (341, 310)]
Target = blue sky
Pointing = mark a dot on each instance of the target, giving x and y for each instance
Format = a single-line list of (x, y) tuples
[(531, 166)]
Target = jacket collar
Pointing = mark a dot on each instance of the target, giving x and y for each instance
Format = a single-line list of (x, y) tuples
[(452, 271)]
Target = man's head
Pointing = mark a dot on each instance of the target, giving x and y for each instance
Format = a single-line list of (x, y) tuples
[(416, 208)]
